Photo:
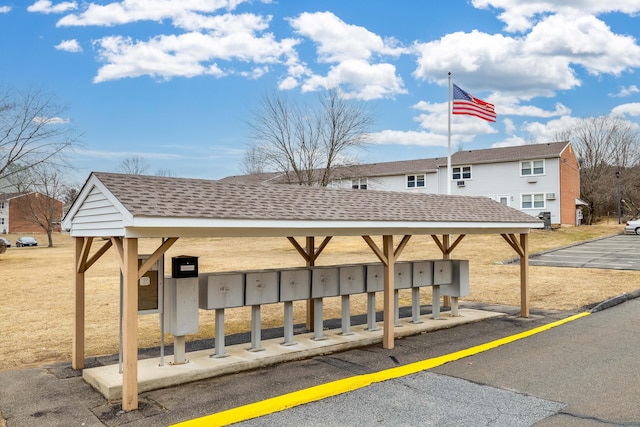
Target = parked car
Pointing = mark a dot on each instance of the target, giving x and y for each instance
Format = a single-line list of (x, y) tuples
[(7, 242), (633, 226), (26, 241)]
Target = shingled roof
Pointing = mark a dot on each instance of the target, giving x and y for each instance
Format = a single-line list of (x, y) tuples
[(152, 201), (429, 165)]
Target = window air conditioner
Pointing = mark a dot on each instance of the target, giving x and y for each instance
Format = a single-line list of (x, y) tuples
[(460, 183), (550, 196)]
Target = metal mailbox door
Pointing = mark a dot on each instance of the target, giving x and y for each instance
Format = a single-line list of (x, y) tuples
[(442, 274), (352, 279), (375, 277), (402, 278), (325, 282), (459, 286), (221, 290), (295, 284), (261, 287), (422, 273)]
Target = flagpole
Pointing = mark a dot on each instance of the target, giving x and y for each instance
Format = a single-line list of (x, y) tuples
[(449, 139)]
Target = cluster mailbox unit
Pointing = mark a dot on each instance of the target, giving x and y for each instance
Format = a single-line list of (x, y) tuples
[(184, 295)]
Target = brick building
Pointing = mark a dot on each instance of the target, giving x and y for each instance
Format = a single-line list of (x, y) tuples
[(27, 212)]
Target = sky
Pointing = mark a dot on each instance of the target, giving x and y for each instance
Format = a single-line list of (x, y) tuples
[(175, 81)]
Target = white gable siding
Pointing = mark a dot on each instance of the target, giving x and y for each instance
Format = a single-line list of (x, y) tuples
[(504, 179), (97, 212), (395, 183)]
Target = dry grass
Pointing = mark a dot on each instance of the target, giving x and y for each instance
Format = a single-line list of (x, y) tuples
[(36, 306)]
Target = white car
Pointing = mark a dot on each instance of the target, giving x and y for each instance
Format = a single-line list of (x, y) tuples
[(633, 226)]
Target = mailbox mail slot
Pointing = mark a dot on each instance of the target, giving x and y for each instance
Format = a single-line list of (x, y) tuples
[(261, 287), (221, 290), (295, 284), (181, 306), (442, 272), (352, 279), (402, 278), (459, 286), (422, 273), (325, 282), (375, 277)]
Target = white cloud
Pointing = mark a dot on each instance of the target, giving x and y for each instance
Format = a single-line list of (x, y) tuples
[(521, 15), (583, 40), (395, 137), (511, 141), (69, 46), (549, 131), (631, 109), (625, 91), (45, 6), (185, 55), (127, 11), (509, 126), (5, 9), (329, 33), (482, 61), (356, 68), (359, 79)]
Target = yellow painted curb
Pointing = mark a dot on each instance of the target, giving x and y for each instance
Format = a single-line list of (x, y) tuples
[(322, 391)]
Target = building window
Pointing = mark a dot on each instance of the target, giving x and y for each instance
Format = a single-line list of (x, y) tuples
[(533, 201), (1, 205), (1, 221), (359, 183), (504, 200), (532, 167), (415, 181), (461, 172)]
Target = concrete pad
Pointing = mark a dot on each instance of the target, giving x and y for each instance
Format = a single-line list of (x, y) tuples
[(151, 376)]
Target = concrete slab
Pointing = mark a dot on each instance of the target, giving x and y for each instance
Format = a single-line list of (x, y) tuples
[(151, 376)]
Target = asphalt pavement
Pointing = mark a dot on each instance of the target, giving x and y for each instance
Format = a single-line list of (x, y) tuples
[(543, 371), (581, 373), (620, 252)]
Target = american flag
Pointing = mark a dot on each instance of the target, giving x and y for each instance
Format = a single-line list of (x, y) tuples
[(463, 103)]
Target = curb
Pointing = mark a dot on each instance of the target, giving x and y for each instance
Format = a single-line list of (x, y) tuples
[(612, 302)]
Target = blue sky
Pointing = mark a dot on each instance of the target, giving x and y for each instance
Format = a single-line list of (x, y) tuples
[(175, 81)]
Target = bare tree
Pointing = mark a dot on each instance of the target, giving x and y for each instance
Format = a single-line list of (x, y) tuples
[(306, 144), (44, 186), (134, 165), (32, 130), (604, 145)]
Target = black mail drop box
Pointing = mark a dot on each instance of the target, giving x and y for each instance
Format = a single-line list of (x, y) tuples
[(184, 266)]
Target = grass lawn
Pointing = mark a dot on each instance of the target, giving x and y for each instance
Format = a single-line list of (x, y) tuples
[(36, 307)]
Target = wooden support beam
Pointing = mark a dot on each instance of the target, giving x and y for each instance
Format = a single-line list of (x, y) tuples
[(156, 256), (387, 255), (130, 325), (376, 250), (310, 253), (446, 247), (95, 257), (389, 272), (400, 248), (521, 246), (77, 346), (524, 276)]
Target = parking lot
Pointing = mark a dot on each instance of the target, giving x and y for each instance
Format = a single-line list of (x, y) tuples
[(620, 252)]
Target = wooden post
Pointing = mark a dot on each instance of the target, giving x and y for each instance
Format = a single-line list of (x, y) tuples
[(311, 261), (446, 242), (130, 326), (389, 267), (524, 275), (77, 351)]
